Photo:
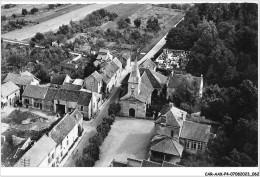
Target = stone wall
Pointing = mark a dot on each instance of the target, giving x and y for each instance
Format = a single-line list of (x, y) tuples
[(139, 107)]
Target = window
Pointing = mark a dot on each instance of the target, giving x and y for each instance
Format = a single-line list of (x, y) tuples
[(172, 133), (187, 144), (81, 108), (200, 146), (193, 145), (26, 101)]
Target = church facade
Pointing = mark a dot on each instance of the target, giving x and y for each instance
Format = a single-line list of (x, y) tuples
[(139, 91)]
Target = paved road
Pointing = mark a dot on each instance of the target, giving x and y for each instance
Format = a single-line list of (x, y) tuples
[(53, 24), (90, 128)]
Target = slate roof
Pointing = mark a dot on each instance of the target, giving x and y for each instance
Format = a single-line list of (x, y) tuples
[(38, 152), (8, 88), (50, 95), (195, 131), (147, 163), (62, 129), (149, 64), (97, 76), (69, 86), (58, 79), (117, 62), (172, 117), (118, 164), (34, 91), (166, 145), (67, 95), (3, 76), (155, 83), (18, 79), (84, 98)]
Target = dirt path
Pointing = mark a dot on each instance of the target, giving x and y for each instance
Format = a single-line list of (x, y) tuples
[(53, 24)]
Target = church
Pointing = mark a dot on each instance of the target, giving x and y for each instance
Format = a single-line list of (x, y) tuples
[(140, 86)]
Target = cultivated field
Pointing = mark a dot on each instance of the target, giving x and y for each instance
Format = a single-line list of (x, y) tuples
[(128, 138), (53, 24), (18, 8)]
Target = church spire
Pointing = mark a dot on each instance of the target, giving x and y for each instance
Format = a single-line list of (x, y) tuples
[(134, 79)]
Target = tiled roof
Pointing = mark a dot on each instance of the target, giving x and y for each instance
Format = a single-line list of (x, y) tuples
[(147, 163), (70, 66), (3, 76), (172, 117), (8, 88), (50, 95), (58, 79), (69, 86), (67, 95), (126, 56), (76, 115), (118, 164), (97, 76), (155, 83), (18, 79), (34, 91), (113, 67), (160, 77), (78, 82), (38, 152), (166, 145), (117, 62), (105, 78), (62, 129), (84, 98), (195, 131)]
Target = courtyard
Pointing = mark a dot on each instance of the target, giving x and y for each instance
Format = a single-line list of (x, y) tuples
[(128, 138)]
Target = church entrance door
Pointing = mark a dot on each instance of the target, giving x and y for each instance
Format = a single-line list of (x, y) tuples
[(131, 112)]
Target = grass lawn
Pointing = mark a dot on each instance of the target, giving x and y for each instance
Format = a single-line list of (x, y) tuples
[(128, 138)]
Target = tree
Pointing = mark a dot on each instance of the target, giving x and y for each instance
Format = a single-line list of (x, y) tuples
[(51, 6), (137, 22), (3, 18), (64, 29), (16, 60), (14, 15), (34, 10), (24, 12), (128, 20), (122, 24), (85, 161), (43, 76), (38, 37), (114, 108), (135, 35), (89, 69), (153, 24)]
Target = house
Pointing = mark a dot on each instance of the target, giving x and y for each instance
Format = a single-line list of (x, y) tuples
[(195, 136), (48, 100), (125, 59), (89, 102), (41, 154), (163, 148), (66, 133), (21, 80), (193, 83), (94, 82), (70, 86), (10, 93), (65, 100), (104, 54), (148, 64), (33, 96), (141, 86), (57, 79), (173, 134)]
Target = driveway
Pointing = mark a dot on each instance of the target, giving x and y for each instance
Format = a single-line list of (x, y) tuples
[(128, 138)]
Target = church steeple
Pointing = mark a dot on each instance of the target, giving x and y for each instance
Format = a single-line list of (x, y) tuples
[(134, 79)]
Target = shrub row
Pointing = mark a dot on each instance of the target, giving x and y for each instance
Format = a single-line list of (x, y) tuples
[(91, 153)]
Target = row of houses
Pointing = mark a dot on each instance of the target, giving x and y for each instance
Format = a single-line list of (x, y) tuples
[(54, 146)]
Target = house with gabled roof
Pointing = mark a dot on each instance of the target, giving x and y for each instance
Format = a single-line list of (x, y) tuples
[(65, 133), (10, 93), (33, 96), (94, 82), (57, 79), (41, 154), (48, 100), (173, 134)]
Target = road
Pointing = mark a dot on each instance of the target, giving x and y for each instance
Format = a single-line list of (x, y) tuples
[(53, 24), (91, 126)]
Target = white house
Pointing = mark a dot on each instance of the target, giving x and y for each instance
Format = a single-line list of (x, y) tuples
[(9, 93)]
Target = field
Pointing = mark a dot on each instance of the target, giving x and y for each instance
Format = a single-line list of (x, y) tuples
[(18, 8), (123, 141), (54, 23)]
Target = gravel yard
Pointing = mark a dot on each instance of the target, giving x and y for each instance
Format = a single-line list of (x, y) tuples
[(128, 138)]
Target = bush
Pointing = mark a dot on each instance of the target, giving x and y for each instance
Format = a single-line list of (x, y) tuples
[(85, 161), (34, 10), (97, 139), (114, 108), (92, 151), (24, 12), (3, 18)]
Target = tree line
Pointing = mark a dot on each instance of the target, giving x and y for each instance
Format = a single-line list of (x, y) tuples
[(222, 39)]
